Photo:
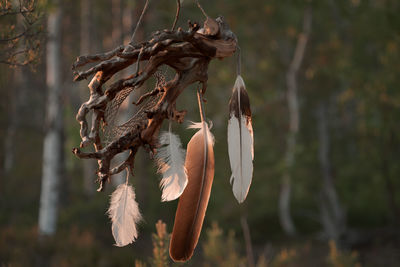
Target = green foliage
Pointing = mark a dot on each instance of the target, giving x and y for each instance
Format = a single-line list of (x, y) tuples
[(220, 250), (21, 32), (286, 257), (338, 258), (160, 246)]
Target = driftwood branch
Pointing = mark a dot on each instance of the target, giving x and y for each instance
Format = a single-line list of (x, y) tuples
[(188, 53)]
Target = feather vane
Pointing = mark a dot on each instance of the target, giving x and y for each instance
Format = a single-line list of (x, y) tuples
[(170, 160), (240, 141), (193, 202), (124, 214)]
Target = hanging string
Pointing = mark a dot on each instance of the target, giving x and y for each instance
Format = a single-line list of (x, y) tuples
[(201, 107), (238, 61), (139, 21), (178, 10), (202, 10), (127, 175), (169, 126)]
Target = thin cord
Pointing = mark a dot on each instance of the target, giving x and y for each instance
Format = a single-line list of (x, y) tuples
[(139, 21), (200, 101), (127, 175), (178, 10), (202, 10), (238, 61)]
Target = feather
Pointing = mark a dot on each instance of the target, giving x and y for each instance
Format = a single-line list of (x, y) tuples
[(240, 141), (170, 160), (193, 202), (124, 214)]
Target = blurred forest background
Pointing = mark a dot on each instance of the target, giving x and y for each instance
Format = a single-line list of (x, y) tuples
[(323, 79)]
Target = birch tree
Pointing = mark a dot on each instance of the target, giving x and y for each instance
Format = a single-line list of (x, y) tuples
[(294, 122), (53, 141), (332, 216)]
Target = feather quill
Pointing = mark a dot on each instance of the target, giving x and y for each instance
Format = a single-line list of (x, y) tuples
[(193, 202), (170, 160), (240, 140), (124, 214)]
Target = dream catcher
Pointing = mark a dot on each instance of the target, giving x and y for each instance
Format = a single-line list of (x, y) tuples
[(187, 175)]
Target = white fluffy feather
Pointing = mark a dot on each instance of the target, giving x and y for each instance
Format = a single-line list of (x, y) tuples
[(171, 164), (124, 214), (201, 126), (240, 148)]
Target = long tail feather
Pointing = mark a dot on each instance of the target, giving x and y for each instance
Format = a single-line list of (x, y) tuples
[(194, 200), (170, 159), (124, 214), (240, 141)]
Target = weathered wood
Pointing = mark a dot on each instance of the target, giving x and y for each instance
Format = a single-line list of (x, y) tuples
[(187, 52)]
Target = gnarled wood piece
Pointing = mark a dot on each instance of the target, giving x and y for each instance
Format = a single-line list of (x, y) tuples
[(187, 52)]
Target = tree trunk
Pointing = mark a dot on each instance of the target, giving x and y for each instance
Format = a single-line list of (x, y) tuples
[(292, 98), (332, 215), (53, 141)]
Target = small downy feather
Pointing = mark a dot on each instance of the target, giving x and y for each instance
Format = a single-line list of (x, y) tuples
[(170, 160), (240, 140), (193, 202), (124, 214)]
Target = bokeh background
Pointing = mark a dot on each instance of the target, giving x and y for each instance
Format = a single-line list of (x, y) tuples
[(333, 64)]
